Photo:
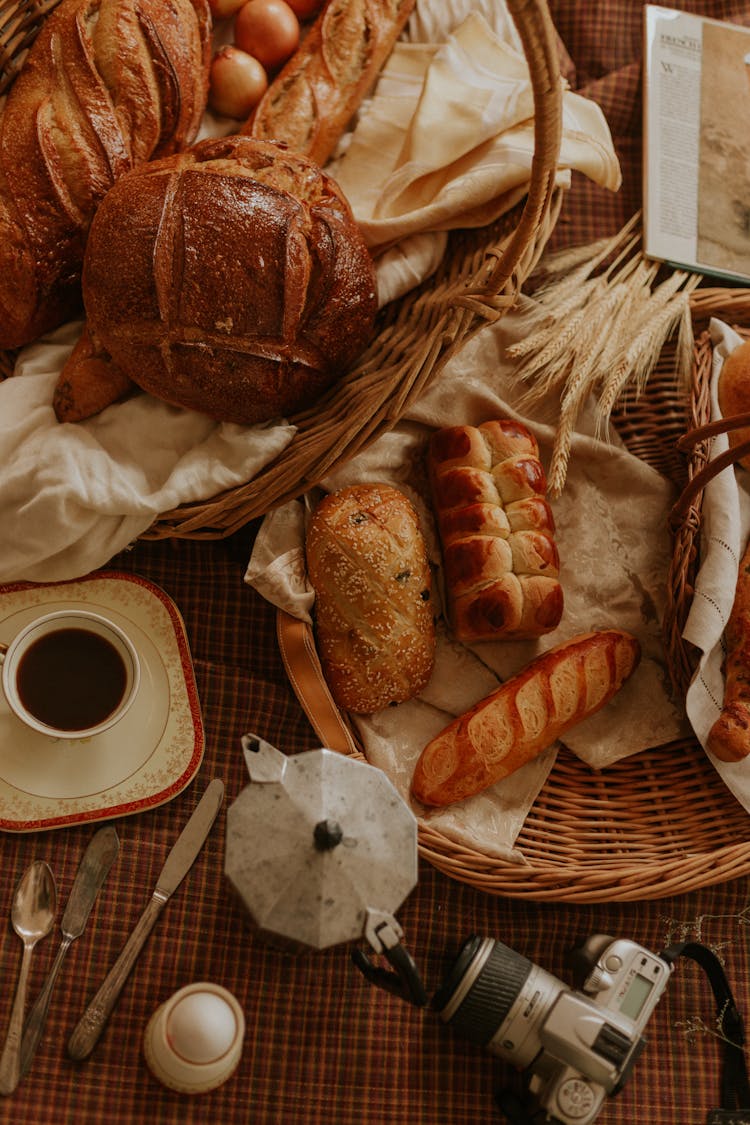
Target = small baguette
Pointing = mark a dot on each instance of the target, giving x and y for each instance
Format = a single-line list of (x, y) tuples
[(729, 737), (734, 393), (524, 716), (309, 104)]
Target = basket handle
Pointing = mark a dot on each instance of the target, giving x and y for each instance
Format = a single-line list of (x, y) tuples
[(712, 468), (297, 648), (537, 32)]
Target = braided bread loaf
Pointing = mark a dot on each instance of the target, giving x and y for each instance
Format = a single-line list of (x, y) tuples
[(107, 84), (310, 102), (496, 528)]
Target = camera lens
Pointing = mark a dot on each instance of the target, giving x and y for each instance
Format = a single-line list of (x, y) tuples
[(481, 987)]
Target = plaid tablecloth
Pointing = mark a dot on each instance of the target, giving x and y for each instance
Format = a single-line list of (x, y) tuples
[(323, 1046)]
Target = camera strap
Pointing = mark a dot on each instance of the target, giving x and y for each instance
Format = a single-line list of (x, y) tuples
[(735, 1087)]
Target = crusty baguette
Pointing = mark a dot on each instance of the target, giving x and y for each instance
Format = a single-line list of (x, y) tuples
[(500, 561), (524, 716), (107, 84), (374, 625), (312, 99), (729, 737)]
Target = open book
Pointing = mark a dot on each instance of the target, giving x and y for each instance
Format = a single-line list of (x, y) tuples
[(696, 130)]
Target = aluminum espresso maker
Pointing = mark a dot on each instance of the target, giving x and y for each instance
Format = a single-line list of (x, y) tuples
[(322, 849)]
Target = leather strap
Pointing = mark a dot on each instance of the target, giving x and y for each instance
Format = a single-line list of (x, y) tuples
[(297, 646)]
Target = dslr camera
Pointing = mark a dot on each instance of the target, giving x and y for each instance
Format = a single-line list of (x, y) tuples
[(576, 1045)]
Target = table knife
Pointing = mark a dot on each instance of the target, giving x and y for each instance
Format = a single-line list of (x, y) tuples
[(179, 861), (92, 871)]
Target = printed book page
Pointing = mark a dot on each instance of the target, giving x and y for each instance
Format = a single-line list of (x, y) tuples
[(696, 157)]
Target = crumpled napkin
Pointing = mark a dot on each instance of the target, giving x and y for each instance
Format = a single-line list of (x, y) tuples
[(448, 138), (72, 496), (725, 531), (615, 550)]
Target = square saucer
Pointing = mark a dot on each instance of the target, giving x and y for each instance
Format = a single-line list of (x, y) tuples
[(147, 758)]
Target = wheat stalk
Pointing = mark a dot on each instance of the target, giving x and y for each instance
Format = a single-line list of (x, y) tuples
[(601, 332)]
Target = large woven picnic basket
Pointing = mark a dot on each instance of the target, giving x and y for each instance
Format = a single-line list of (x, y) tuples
[(479, 280), (661, 822)]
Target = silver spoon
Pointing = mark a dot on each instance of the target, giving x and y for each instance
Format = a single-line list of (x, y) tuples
[(32, 915)]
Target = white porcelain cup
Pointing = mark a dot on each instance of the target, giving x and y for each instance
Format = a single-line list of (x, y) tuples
[(70, 674)]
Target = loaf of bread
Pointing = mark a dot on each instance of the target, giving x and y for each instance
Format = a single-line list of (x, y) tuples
[(107, 84), (231, 279), (88, 382), (500, 560), (524, 716), (312, 99), (734, 393), (374, 624), (729, 737)]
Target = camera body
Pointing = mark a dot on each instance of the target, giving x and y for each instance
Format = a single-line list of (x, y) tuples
[(577, 1045)]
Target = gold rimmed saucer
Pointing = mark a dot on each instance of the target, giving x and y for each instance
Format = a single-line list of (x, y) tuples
[(149, 757)]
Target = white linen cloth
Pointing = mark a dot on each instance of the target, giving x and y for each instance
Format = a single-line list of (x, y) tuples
[(72, 496), (447, 141), (725, 530), (614, 548)]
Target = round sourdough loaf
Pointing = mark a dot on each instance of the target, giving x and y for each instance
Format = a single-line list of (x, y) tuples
[(231, 279)]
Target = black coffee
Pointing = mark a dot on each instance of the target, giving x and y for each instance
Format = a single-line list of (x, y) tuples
[(71, 679)]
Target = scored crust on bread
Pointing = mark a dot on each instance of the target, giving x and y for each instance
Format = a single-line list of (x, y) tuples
[(374, 625), (524, 716), (106, 86), (500, 560), (310, 102), (231, 279)]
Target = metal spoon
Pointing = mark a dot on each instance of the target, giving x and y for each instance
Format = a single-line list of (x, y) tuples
[(92, 871), (32, 915)]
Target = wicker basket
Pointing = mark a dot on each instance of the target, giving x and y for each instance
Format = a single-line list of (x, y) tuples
[(661, 822), (414, 337)]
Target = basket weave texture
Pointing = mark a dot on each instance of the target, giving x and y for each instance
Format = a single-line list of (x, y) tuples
[(414, 337), (661, 822)]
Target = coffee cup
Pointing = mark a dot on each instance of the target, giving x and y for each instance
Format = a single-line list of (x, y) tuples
[(70, 674)]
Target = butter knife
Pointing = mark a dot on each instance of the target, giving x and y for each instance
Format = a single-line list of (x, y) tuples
[(92, 871), (179, 861)]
